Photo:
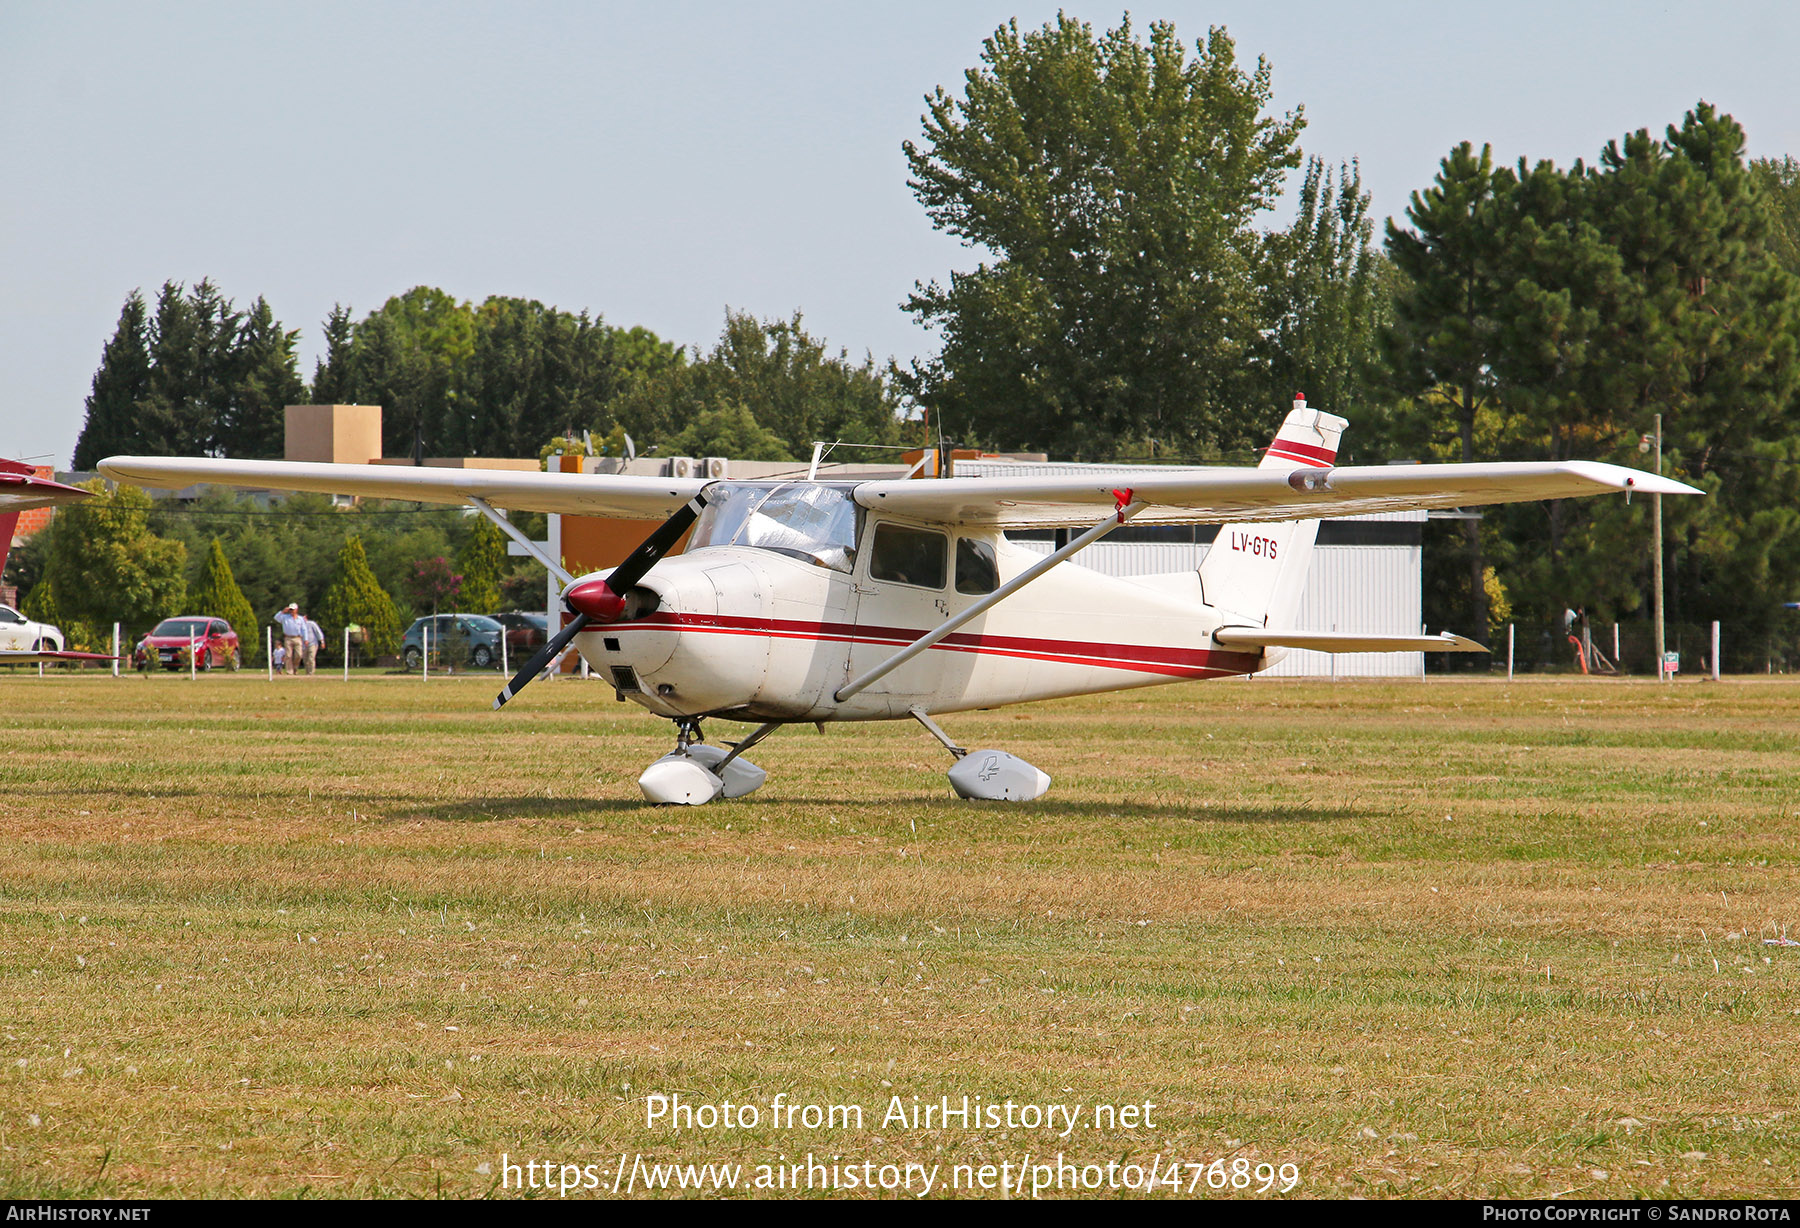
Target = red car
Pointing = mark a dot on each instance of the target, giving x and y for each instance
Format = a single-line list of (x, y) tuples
[(212, 639)]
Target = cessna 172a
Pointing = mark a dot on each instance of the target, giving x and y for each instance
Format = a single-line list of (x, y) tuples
[(816, 601)]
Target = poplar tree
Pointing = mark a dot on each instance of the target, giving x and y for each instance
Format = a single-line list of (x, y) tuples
[(354, 596), (482, 561), (1116, 184), (218, 596)]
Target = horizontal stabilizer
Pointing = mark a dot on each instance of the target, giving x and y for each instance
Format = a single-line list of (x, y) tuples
[(8, 657), (1332, 641)]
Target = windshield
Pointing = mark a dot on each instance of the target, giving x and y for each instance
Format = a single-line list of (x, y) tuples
[(186, 628), (804, 519)]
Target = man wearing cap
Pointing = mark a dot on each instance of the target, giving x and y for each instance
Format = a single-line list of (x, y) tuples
[(293, 637)]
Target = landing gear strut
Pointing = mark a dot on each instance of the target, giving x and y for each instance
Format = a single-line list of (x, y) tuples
[(695, 773)]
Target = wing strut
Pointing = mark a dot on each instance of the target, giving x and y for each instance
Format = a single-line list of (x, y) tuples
[(1126, 510), (513, 531)]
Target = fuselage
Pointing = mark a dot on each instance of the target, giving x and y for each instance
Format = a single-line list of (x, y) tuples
[(767, 616)]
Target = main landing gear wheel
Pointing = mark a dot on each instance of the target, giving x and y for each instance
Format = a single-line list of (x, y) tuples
[(987, 775), (695, 773)]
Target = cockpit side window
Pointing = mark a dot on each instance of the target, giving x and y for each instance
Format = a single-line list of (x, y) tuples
[(977, 570), (903, 555)]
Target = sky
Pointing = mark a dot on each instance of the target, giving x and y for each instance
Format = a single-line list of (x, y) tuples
[(656, 164)]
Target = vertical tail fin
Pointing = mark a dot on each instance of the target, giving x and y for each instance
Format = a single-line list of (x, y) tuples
[(22, 490), (1256, 572)]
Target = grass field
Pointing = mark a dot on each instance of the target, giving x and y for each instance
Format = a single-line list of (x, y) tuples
[(1414, 938)]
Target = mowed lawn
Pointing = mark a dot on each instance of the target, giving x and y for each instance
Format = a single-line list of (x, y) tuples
[(1415, 938)]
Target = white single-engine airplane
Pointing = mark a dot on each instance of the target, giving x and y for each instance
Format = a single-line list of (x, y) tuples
[(807, 601)]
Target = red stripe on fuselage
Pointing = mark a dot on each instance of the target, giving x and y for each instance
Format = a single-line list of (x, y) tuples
[(1134, 658)]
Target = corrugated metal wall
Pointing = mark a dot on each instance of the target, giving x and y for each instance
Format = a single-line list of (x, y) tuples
[(1370, 589)]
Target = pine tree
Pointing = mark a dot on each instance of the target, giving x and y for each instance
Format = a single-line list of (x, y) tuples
[(334, 378), (120, 383), (482, 561), (354, 596), (218, 596), (263, 379), (1442, 341)]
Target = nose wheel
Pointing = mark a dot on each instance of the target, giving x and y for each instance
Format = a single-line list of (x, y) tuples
[(695, 773)]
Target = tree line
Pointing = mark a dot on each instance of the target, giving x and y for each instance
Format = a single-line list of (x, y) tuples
[(198, 377)]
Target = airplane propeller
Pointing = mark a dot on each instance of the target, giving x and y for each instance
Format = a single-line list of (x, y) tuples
[(603, 601)]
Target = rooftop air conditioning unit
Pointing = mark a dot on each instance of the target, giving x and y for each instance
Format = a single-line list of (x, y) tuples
[(683, 467), (716, 467)]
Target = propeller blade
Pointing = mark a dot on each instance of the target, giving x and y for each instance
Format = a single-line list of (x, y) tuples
[(545, 655), (604, 600)]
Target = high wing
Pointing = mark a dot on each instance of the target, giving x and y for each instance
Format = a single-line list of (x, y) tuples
[(570, 494), (1239, 495)]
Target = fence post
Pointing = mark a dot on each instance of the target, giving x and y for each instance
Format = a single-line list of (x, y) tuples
[(193, 663), (1715, 652), (1509, 652), (346, 652), (425, 657), (505, 670), (115, 650), (269, 650)]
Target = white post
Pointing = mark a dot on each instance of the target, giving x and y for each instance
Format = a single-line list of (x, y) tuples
[(1715, 654), (1509, 652), (269, 650), (193, 663), (346, 652), (504, 668), (425, 657), (115, 650), (1615, 645), (1656, 570)]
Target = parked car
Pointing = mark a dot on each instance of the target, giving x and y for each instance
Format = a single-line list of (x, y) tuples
[(213, 641), (20, 634), (456, 639), (524, 631)]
